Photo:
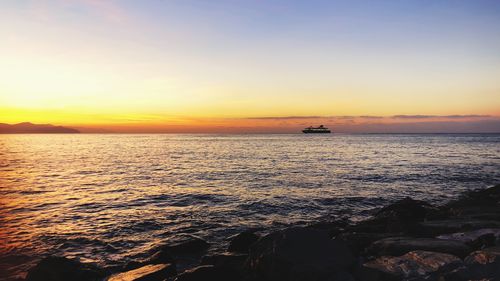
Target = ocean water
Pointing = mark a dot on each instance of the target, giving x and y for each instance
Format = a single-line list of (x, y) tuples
[(110, 199)]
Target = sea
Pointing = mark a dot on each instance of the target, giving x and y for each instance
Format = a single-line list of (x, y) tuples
[(110, 199)]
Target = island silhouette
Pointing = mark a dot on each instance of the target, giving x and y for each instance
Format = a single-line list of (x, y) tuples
[(30, 128)]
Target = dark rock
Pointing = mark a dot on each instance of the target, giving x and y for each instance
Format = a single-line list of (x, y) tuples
[(396, 246), (400, 216), (363, 273), (484, 256), (233, 261), (333, 228), (479, 265), (152, 272), (357, 242), (489, 197), (439, 227), (407, 210), (190, 245), (341, 276), (298, 254), (63, 269), (208, 272), (413, 264), (162, 256), (477, 239), (185, 253), (242, 242)]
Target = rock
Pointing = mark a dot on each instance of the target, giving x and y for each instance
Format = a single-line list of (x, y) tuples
[(400, 216), (485, 256), (413, 264), (242, 242), (190, 245), (208, 272), (233, 261), (396, 246), (357, 242), (152, 272), (162, 256), (476, 239), (479, 265), (298, 254), (481, 197), (333, 228), (63, 269), (439, 227), (407, 210), (363, 273)]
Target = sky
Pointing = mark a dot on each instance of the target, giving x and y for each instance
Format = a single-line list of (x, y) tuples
[(251, 66)]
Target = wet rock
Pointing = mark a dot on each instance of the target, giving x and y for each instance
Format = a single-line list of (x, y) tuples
[(208, 272), (241, 243), (400, 216), (152, 272), (333, 228), (407, 210), (479, 265), (482, 197), (233, 261), (298, 254), (396, 246), (63, 269), (439, 227), (161, 256), (413, 264), (190, 245), (476, 239)]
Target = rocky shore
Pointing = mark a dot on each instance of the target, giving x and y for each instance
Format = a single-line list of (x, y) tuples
[(407, 240)]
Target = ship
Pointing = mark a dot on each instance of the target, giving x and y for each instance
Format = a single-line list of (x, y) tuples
[(316, 130)]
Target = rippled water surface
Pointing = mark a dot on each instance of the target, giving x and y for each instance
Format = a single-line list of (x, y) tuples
[(110, 198)]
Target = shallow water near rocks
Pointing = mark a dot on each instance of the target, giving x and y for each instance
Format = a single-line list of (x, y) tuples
[(109, 199)]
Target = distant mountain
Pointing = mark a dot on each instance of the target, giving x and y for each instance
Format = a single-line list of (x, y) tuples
[(30, 128)]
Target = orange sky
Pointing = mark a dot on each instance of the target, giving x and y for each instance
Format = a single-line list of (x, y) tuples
[(177, 66)]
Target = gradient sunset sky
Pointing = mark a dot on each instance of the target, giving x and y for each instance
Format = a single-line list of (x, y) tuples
[(252, 66)]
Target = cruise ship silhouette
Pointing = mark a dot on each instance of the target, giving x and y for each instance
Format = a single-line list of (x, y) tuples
[(316, 130)]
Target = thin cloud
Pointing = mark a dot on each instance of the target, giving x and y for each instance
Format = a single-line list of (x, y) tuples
[(343, 117), (440, 116)]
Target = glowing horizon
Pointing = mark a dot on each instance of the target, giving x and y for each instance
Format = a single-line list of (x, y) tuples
[(162, 64)]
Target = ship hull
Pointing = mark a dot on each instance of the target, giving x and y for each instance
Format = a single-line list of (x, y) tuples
[(316, 132)]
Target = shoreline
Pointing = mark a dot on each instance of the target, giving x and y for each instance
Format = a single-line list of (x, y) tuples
[(405, 240)]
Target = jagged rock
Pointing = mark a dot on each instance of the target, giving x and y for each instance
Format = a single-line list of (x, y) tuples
[(161, 256), (63, 269), (476, 239), (481, 197), (242, 242), (407, 209), (400, 216), (479, 265), (411, 265), (298, 254), (187, 246), (233, 261), (152, 272), (439, 227), (333, 228), (485, 256), (208, 272), (190, 245), (396, 246)]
